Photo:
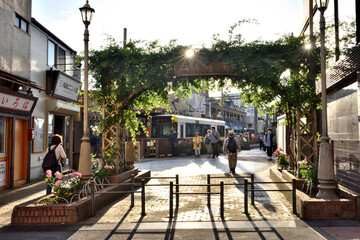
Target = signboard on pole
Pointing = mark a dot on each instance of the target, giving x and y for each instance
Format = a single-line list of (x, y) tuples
[(201, 66)]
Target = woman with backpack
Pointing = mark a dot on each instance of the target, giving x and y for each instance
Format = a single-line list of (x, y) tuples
[(54, 151), (232, 146)]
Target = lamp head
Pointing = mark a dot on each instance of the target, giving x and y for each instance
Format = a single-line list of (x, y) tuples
[(86, 13), (322, 4)]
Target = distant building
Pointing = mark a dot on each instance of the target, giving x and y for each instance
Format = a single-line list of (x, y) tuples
[(201, 105)]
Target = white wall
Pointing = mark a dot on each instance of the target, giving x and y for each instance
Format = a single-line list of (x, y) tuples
[(38, 74)]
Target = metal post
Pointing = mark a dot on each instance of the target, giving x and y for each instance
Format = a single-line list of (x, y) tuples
[(294, 195), (171, 200), (132, 190), (222, 200), (326, 174), (246, 196), (208, 191), (252, 189), (177, 190), (143, 197), (92, 190)]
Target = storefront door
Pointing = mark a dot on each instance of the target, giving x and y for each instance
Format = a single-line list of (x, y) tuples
[(59, 124), (20, 151)]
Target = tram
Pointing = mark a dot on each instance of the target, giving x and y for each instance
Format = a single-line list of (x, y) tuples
[(185, 126)]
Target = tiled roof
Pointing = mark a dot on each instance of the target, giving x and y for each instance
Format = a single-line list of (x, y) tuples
[(343, 70)]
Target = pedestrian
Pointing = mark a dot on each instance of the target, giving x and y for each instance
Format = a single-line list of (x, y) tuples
[(215, 138), (197, 144), (261, 141), (173, 142), (56, 143), (269, 142), (232, 146), (208, 146)]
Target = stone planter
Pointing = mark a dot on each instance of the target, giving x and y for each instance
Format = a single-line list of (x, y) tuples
[(29, 213), (312, 208), (122, 176)]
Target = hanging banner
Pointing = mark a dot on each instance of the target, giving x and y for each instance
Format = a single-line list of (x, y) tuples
[(200, 66)]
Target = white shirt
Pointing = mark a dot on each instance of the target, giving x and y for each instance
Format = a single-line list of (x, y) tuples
[(59, 152)]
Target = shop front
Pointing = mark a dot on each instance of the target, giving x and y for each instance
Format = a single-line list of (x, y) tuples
[(15, 137), (63, 113)]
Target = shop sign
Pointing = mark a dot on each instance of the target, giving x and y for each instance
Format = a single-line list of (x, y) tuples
[(67, 106), (62, 85), (2, 174), (67, 88), (13, 102)]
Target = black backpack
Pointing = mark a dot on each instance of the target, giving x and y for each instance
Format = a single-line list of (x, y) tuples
[(50, 162), (232, 145)]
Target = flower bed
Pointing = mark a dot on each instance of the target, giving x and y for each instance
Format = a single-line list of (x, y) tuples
[(311, 208), (30, 212)]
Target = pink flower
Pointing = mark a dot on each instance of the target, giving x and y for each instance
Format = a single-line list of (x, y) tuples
[(48, 173), (108, 167), (57, 173), (58, 183), (59, 176)]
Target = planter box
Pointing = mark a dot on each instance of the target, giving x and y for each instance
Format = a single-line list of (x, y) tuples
[(312, 208), (30, 214), (123, 176)]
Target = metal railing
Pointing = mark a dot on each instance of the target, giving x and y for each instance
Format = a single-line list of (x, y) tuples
[(253, 190), (177, 193), (132, 192), (209, 177)]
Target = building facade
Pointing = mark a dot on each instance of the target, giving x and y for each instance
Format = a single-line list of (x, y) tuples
[(54, 67), (17, 93), (343, 89)]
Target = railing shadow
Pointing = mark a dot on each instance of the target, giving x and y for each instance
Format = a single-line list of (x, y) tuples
[(118, 224)]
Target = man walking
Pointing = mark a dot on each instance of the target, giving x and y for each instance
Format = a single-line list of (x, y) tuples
[(214, 138), (232, 146), (269, 142), (261, 141), (173, 142)]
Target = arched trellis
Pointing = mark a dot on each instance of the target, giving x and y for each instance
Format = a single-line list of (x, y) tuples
[(133, 78)]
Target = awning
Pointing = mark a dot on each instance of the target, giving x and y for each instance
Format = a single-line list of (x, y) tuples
[(19, 80)]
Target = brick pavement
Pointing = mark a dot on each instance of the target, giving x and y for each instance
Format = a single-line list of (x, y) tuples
[(268, 205), (12, 197)]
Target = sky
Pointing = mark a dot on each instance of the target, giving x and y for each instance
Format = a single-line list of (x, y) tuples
[(191, 22)]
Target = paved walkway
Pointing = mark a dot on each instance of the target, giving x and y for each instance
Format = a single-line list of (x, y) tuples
[(270, 218)]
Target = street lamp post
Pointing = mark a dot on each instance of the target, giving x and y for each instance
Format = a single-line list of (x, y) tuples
[(326, 174), (84, 160)]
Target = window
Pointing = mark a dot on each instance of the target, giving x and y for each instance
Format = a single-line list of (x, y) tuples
[(56, 56), (21, 23), (51, 53)]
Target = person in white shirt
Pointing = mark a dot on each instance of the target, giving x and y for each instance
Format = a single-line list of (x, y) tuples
[(56, 141)]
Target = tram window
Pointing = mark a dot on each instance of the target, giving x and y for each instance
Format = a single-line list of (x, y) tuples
[(161, 129), (192, 128), (221, 130)]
